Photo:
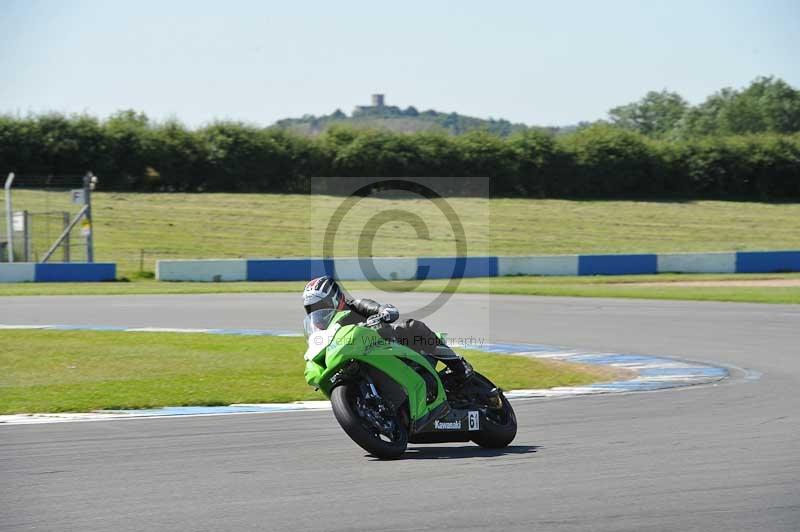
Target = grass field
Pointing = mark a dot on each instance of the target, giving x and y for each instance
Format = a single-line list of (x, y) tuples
[(79, 371), (170, 226), (627, 286)]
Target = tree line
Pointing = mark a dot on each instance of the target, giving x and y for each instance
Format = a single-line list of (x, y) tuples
[(767, 105), (408, 120), (641, 153)]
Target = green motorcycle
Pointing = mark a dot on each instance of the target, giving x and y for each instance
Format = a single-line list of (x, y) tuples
[(386, 395)]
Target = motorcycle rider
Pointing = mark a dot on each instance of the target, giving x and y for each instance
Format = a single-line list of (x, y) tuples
[(324, 293)]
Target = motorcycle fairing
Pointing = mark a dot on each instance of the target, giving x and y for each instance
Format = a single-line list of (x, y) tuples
[(365, 345)]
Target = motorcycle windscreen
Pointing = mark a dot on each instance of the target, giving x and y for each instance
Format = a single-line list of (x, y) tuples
[(319, 320)]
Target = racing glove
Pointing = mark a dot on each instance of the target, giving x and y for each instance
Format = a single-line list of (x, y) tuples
[(388, 313)]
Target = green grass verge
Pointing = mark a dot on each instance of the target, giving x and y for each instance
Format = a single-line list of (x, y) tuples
[(144, 287), (173, 226), (625, 286), (80, 371), (739, 294)]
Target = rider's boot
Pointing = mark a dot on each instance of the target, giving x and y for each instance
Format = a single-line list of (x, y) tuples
[(458, 373)]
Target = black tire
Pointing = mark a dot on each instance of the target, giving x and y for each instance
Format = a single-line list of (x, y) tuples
[(501, 429), (344, 411)]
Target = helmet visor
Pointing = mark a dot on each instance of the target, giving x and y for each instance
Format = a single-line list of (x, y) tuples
[(319, 320)]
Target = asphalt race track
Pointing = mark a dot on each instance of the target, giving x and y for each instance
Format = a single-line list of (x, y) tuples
[(708, 458)]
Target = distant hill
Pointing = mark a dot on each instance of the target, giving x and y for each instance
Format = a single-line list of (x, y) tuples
[(393, 118)]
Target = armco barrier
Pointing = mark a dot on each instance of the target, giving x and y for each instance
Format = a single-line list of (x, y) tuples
[(447, 267), (57, 272)]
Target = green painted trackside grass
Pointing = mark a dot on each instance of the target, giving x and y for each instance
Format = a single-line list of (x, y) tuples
[(81, 371), (192, 226), (589, 286)]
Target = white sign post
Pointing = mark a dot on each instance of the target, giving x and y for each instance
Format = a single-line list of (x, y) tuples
[(78, 196), (18, 221)]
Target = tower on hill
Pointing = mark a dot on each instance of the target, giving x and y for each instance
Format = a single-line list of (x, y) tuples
[(378, 104)]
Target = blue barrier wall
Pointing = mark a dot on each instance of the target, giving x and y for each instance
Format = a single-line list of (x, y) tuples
[(617, 264), (767, 261), (451, 267), (288, 269), (75, 272), (456, 267), (57, 272)]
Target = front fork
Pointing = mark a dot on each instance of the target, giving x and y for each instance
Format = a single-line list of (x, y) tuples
[(376, 410)]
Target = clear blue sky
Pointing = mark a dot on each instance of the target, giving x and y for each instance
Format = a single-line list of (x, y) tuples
[(537, 62)]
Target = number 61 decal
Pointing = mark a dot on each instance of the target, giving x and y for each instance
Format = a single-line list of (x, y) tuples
[(474, 420)]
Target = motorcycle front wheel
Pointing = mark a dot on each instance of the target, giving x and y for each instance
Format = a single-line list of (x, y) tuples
[(362, 424)]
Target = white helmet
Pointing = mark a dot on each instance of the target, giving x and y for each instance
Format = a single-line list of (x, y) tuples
[(323, 292)]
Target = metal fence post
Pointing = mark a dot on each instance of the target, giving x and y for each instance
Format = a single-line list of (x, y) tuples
[(65, 217), (87, 190), (9, 219), (26, 235)]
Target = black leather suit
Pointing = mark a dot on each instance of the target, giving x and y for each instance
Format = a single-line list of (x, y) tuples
[(411, 333)]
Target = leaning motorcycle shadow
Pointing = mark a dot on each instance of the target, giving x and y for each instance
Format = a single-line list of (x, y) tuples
[(466, 451)]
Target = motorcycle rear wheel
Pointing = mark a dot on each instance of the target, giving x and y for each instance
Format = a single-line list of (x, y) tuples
[(343, 399), (500, 429)]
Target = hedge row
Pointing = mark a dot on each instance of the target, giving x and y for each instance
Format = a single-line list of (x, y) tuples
[(131, 154)]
